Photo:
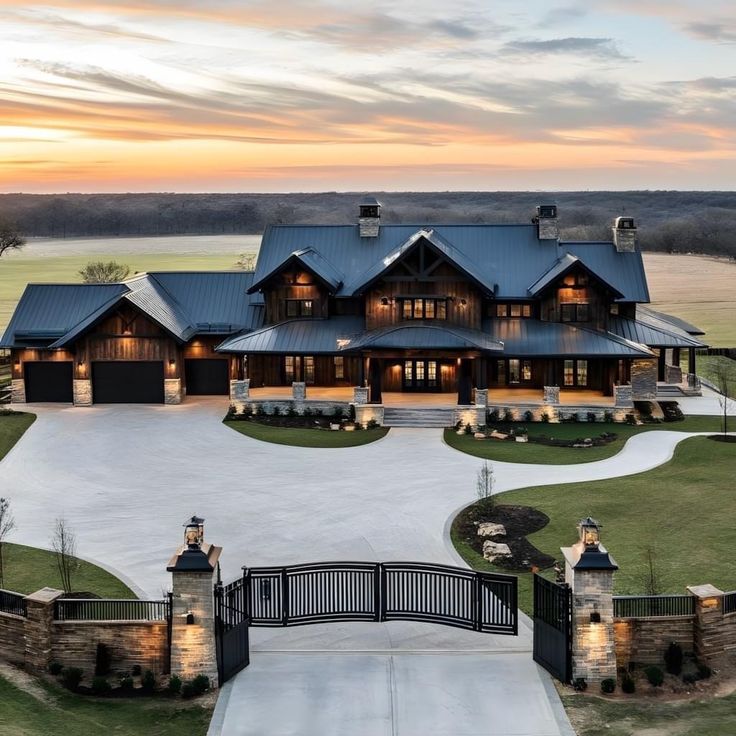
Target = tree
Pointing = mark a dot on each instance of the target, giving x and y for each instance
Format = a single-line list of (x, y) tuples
[(484, 484), (7, 524), (101, 272), (10, 236), (64, 543), (650, 574), (723, 377), (247, 261)]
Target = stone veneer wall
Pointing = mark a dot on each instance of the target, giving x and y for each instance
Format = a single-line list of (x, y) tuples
[(644, 379), (172, 390), (145, 643), (645, 640), (82, 392), (18, 391), (365, 412), (672, 374), (12, 642), (556, 413)]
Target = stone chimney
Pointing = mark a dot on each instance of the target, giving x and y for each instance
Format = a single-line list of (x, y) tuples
[(370, 218), (546, 222), (624, 234)]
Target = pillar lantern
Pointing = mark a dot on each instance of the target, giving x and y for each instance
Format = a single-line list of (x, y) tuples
[(590, 532), (194, 532)]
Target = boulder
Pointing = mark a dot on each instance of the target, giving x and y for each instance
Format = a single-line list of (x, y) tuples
[(490, 529), (498, 435), (493, 550), (479, 435), (522, 438)]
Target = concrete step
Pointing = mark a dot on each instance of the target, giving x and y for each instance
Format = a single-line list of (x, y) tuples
[(413, 417)]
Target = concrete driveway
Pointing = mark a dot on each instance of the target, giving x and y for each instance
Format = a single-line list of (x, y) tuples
[(126, 477)]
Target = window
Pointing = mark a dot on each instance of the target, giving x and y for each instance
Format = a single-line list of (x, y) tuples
[(614, 308), (514, 370), (576, 373), (513, 310), (299, 308), (289, 369), (575, 279), (526, 370), (339, 367), (582, 370), (501, 369), (299, 368), (423, 308), (569, 373), (308, 369), (574, 312)]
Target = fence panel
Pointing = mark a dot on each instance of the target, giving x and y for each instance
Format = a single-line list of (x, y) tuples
[(11, 602), (107, 609), (648, 606)]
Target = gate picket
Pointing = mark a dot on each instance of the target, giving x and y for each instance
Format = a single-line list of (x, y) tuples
[(553, 627)]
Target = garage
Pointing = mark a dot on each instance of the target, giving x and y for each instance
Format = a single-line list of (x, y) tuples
[(48, 381), (206, 377), (128, 382)]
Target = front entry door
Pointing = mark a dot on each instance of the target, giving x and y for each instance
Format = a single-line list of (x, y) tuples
[(421, 375)]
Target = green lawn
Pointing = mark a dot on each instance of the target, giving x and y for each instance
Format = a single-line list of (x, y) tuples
[(28, 569), (681, 508), (16, 272), (21, 714), (709, 365), (604, 717), (529, 452), (307, 437), (12, 427)]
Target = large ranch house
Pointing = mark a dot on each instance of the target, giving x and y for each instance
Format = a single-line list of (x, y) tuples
[(372, 313)]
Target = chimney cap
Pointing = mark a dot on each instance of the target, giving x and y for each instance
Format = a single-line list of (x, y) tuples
[(369, 201), (546, 210), (624, 223)]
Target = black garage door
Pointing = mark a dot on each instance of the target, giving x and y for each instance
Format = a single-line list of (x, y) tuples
[(128, 382), (207, 377), (48, 381)]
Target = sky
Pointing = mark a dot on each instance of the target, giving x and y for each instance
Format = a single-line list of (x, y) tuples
[(323, 95)]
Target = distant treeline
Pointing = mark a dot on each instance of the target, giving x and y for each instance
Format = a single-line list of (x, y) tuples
[(669, 221)]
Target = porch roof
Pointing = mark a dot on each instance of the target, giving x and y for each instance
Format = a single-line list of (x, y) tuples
[(653, 334), (534, 338), (425, 336)]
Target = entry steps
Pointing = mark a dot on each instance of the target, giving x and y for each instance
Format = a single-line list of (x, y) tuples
[(418, 417)]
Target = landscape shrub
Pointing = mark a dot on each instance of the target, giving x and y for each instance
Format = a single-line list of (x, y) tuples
[(351, 412), (608, 685), (174, 686), (291, 411), (337, 412), (627, 684), (103, 658), (276, 411), (318, 412), (260, 411), (544, 417), (508, 415), (187, 690), (231, 411), (307, 411), (100, 685), (358, 426), (690, 678), (247, 411), (673, 658), (148, 682), (704, 671), (126, 684), (608, 416), (55, 668), (468, 429), (528, 415), (492, 416), (136, 670), (630, 419), (200, 684), (71, 677), (580, 684), (592, 418), (654, 675), (372, 424)]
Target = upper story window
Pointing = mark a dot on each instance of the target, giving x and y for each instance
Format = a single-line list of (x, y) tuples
[(423, 308), (579, 278), (299, 308), (577, 312), (513, 310)]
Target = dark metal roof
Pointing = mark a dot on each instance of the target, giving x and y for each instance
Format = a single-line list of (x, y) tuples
[(647, 334), (511, 256), (184, 304), (425, 336), (305, 336), (559, 269), (532, 337), (48, 311), (648, 315), (313, 261)]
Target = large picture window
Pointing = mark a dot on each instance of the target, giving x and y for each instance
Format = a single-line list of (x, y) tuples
[(513, 310), (424, 308), (298, 368)]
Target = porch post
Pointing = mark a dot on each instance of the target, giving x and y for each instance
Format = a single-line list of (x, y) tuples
[(375, 367), (676, 357), (465, 383), (691, 361), (661, 362), (481, 377)]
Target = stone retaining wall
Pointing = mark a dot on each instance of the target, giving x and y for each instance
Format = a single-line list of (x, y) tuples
[(12, 642), (144, 643), (645, 640)]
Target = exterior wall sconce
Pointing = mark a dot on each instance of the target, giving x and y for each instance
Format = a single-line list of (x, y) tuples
[(172, 362), (595, 617), (386, 300), (80, 364), (189, 618)]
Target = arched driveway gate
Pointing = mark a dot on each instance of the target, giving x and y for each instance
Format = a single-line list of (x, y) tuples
[(358, 591)]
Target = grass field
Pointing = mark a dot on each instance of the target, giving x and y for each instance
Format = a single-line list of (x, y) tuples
[(307, 437), (16, 272), (679, 509), (12, 428), (60, 712), (530, 452), (698, 289), (709, 365)]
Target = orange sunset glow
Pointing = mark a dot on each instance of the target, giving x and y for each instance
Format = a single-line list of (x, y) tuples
[(314, 95)]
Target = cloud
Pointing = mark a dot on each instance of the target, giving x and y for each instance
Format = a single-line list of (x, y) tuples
[(719, 32), (600, 48)]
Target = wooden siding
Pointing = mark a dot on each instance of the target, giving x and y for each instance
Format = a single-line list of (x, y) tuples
[(27, 355), (293, 285), (203, 348), (594, 294), (268, 370)]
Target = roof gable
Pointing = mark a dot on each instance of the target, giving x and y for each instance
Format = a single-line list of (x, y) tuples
[(309, 259), (564, 266)]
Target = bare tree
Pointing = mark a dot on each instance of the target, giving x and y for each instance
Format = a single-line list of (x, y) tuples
[(10, 236), (247, 261), (7, 524), (64, 543), (104, 272), (650, 574), (484, 485), (723, 376)]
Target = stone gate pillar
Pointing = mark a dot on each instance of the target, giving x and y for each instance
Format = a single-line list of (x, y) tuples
[(38, 628), (192, 568), (589, 573)]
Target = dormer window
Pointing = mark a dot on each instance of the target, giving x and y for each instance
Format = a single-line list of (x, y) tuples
[(423, 308), (513, 310), (300, 308), (577, 312)]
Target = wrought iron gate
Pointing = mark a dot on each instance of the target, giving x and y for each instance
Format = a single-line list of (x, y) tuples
[(553, 627), (360, 591)]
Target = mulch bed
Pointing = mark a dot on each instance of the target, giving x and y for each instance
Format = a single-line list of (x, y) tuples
[(722, 437), (284, 420), (519, 522)]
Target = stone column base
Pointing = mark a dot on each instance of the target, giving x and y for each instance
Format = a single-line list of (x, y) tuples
[(18, 391), (365, 412), (623, 397), (551, 394), (240, 391), (299, 390), (360, 395), (172, 390), (82, 392), (481, 397)]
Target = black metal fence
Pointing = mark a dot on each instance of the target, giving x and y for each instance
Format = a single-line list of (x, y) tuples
[(107, 609), (11, 602), (729, 602), (647, 606), (552, 627)]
